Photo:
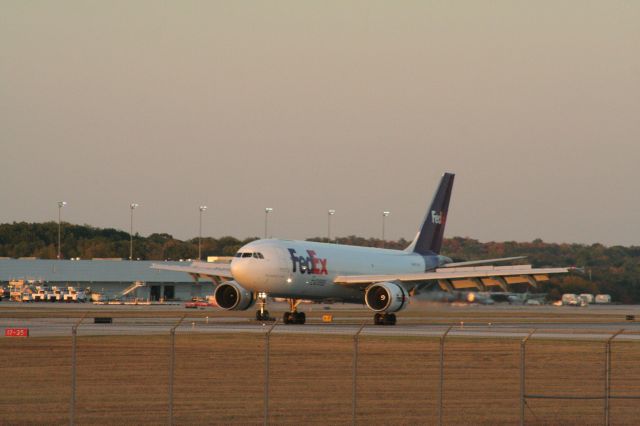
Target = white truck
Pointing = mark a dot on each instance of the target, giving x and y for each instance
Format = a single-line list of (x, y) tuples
[(570, 299), (602, 299), (41, 294), (58, 294), (74, 295), (586, 298)]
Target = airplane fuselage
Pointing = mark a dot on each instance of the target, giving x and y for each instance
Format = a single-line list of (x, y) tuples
[(306, 270), (384, 280)]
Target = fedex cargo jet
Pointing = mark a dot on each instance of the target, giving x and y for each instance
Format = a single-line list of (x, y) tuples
[(382, 279)]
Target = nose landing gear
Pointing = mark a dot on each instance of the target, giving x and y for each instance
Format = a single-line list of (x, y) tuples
[(384, 319), (262, 314), (294, 317)]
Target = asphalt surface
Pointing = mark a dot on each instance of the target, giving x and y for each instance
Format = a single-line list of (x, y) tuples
[(347, 322)]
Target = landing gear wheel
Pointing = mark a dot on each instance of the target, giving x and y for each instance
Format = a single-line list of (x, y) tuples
[(384, 319), (377, 319), (262, 316), (294, 318), (390, 319)]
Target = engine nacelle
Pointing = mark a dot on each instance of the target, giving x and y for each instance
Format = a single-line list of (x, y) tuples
[(386, 297), (232, 296)]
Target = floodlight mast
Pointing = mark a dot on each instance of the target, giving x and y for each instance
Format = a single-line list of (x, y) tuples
[(267, 210), (384, 216), (330, 213), (202, 210), (132, 206), (61, 204)]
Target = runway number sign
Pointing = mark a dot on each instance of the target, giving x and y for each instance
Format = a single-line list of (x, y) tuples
[(16, 332)]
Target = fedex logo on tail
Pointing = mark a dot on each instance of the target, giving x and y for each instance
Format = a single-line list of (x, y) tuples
[(438, 218), (308, 264)]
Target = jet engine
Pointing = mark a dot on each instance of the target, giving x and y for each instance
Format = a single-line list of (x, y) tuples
[(386, 297), (232, 296)]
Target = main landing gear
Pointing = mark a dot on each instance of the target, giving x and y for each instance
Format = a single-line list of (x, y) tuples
[(384, 319), (294, 317), (262, 314)]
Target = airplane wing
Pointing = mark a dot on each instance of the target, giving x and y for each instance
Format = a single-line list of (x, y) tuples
[(481, 262), (215, 271), (460, 277)]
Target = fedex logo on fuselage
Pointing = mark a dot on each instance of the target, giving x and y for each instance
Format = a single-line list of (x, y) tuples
[(308, 265)]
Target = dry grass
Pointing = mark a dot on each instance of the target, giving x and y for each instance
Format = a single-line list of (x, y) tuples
[(220, 379)]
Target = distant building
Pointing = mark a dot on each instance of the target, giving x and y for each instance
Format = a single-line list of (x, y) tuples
[(109, 277)]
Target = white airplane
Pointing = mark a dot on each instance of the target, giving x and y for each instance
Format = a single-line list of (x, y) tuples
[(382, 279)]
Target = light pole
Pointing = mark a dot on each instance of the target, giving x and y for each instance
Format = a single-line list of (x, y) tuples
[(133, 206), (202, 209), (61, 204), (384, 215), (267, 210), (330, 213)]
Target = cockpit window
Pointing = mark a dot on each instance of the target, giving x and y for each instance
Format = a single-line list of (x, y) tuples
[(255, 255)]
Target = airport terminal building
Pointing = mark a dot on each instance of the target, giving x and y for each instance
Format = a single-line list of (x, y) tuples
[(111, 278)]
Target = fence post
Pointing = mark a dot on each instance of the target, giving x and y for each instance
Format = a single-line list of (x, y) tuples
[(266, 372), (607, 375), (72, 405), (441, 386), (172, 363), (354, 392), (523, 357)]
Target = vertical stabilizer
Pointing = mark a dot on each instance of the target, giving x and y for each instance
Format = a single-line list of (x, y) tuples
[(429, 238)]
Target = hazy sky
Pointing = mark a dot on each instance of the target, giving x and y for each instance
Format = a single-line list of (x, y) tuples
[(304, 106)]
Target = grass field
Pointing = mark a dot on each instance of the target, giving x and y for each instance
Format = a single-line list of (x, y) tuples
[(220, 379)]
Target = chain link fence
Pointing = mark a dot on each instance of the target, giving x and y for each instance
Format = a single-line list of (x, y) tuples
[(185, 371)]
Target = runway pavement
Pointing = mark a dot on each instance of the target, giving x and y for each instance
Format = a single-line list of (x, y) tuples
[(52, 326)]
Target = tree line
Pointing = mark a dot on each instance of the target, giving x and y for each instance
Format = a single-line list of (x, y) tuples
[(612, 270)]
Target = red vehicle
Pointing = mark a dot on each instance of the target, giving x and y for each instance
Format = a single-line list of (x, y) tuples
[(196, 304)]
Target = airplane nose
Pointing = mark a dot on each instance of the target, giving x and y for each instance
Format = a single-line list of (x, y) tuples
[(252, 273), (240, 269)]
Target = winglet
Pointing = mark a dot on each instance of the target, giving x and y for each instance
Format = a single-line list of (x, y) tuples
[(429, 238)]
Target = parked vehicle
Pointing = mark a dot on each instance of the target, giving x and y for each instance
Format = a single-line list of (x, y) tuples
[(586, 298), (570, 299), (58, 294), (194, 304), (42, 294), (74, 295)]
